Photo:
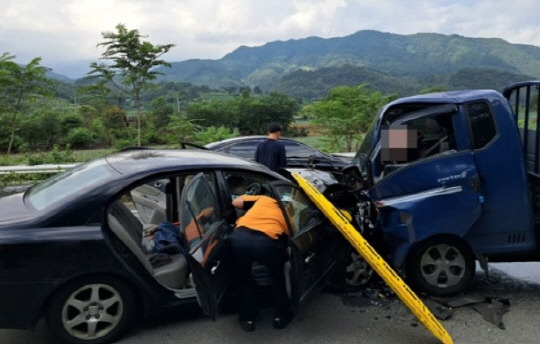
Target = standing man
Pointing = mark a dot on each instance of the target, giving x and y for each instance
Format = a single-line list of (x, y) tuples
[(259, 237), (271, 152)]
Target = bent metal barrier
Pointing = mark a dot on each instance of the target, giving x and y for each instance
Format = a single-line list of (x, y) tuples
[(378, 264)]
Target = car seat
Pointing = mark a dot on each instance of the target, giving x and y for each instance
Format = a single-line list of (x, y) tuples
[(129, 230)]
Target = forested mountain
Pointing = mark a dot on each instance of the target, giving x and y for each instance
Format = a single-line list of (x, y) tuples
[(316, 83), (414, 57)]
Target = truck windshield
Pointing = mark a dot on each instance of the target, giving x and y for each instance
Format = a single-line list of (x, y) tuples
[(68, 183)]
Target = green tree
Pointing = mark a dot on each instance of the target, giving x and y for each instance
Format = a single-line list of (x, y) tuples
[(251, 115), (160, 112), (345, 114), (132, 64), (181, 129), (18, 84)]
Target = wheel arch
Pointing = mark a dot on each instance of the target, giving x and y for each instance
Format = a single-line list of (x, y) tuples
[(437, 237)]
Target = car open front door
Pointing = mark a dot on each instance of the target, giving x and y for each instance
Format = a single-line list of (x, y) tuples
[(205, 233), (312, 242)]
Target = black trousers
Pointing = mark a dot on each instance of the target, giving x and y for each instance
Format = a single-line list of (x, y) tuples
[(250, 246)]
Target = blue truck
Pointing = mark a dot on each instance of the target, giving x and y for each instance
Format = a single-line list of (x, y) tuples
[(456, 179)]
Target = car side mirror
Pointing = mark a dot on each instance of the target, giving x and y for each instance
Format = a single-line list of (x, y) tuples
[(352, 178)]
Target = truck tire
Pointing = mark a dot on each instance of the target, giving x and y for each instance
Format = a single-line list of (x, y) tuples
[(440, 266), (93, 310)]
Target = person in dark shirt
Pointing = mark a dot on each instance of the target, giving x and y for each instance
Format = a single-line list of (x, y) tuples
[(271, 152)]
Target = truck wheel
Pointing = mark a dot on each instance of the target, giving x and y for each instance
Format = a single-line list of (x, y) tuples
[(441, 266), (91, 311)]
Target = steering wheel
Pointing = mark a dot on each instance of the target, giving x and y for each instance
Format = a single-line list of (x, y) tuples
[(254, 189)]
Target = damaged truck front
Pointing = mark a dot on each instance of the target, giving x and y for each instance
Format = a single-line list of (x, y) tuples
[(454, 175)]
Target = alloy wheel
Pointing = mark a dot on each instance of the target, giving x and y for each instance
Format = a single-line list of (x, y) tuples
[(357, 272), (443, 265), (92, 311)]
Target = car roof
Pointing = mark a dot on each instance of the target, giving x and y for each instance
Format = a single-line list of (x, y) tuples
[(222, 143), (219, 144), (150, 160)]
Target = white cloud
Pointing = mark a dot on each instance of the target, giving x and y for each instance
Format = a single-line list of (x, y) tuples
[(69, 30)]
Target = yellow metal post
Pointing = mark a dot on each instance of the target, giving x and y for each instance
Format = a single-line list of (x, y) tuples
[(409, 298)]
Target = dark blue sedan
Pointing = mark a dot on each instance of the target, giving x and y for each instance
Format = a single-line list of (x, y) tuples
[(299, 155), (79, 249)]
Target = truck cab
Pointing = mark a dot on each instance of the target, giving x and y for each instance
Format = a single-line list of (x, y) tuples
[(450, 173)]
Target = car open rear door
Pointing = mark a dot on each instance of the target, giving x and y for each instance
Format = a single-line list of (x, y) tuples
[(205, 232)]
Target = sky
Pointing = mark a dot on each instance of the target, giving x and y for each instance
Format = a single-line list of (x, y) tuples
[(65, 33)]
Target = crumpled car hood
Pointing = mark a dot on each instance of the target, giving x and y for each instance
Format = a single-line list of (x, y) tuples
[(321, 179)]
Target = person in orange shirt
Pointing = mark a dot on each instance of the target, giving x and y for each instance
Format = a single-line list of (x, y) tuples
[(259, 237)]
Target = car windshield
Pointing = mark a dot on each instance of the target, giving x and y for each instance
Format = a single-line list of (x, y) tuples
[(68, 183)]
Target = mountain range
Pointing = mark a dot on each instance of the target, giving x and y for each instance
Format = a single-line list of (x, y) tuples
[(393, 63), (389, 62)]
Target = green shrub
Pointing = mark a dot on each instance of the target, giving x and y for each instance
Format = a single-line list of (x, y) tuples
[(212, 134), (58, 157), (80, 138), (55, 156)]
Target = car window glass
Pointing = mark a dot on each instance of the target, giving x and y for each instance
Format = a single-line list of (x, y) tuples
[(199, 210), (482, 124), (302, 213), (295, 149), (68, 183), (425, 137), (243, 149), (149, 201)]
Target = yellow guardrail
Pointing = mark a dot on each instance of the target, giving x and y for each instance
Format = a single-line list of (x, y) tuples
[(402, 290)]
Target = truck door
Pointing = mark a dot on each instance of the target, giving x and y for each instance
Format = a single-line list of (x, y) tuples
[(435, 189), (205, 232), (505, 225)]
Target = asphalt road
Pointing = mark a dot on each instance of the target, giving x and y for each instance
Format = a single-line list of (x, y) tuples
[(348, 318)]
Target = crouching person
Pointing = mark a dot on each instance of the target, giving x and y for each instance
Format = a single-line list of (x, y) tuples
[(258, 237)]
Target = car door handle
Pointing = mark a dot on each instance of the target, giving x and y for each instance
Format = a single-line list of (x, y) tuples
[(309, 257), (214, 268)]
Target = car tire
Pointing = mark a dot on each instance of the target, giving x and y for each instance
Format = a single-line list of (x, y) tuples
[(441, 266), (92, 310), (355, 273)]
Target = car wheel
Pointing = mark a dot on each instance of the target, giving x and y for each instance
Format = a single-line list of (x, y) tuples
[(355, 275), (441, 266), (358, 272), (91, 311)]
